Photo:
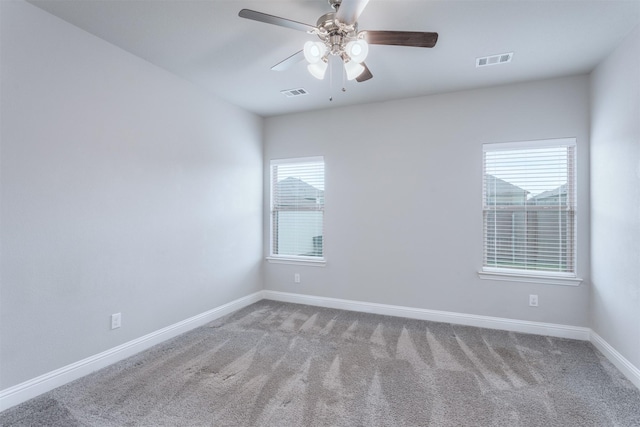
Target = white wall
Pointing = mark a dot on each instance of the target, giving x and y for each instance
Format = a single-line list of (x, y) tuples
[(615, 199), (403, 197), (123, 189)]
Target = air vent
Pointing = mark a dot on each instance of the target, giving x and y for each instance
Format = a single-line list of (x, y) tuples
[(294, 92), (502, 58)]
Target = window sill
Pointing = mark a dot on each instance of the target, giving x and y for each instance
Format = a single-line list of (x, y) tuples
[(297, 261), (530, 278)]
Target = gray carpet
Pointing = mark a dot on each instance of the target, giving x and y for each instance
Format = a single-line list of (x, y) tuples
[(278, 364)]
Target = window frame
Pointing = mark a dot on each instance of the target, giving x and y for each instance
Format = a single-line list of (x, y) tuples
[(529, 275), (293, 259)]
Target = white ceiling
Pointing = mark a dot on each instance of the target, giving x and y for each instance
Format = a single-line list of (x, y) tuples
[(206, 43)]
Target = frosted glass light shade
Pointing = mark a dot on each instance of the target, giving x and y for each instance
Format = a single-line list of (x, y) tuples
[(318, 69), (314, 51), (353, 69), (357, 50)]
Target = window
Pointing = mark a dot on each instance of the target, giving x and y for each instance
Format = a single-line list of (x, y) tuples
[(529, 208), (297, 209)]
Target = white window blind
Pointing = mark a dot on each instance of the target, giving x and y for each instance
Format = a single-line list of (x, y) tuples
[(297, 208), (529, 206)]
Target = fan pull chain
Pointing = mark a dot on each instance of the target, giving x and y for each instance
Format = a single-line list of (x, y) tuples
[(344, 82), (330, 80)]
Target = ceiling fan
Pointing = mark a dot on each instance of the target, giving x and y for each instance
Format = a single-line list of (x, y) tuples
[(339, 36)]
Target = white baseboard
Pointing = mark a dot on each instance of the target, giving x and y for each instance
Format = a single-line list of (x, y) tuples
[(29, 389), (22, 392), (618, 360), (524, 326)]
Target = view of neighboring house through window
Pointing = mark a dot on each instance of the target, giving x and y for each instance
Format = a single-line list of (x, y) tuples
[(297, 208), (529, 206)]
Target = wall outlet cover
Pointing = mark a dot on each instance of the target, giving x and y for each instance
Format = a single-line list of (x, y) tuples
[(116, 320)]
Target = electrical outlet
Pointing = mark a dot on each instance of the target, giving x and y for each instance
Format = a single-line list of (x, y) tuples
[(533, 300), (296, 278), (116, 320)]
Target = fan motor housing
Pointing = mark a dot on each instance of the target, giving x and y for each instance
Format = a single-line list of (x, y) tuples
[(327, 23), (335, 34)]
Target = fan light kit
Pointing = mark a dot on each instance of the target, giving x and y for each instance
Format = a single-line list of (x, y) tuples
[(339, 37)]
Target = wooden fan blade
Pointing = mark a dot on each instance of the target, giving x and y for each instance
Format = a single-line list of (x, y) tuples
[(365, 75), (275, 20), (401, 38), (287, 63), (350, 10)]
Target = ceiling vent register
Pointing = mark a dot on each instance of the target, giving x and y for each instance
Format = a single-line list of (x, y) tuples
[(502, 58), (294, 92)]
